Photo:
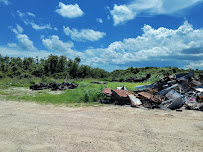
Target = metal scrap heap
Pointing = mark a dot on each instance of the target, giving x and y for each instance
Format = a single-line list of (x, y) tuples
[(170, 93)]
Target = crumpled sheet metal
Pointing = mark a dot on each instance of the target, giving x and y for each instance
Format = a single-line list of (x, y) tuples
[(172, 94), (165, 91), (176, 104), (172, 104)]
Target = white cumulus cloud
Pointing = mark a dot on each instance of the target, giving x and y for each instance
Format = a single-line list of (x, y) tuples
[(12, 45), (123, 13), (55, 44), (177, 47), (84, 34), (69, 11), (24, 42), (5, 2), (17, 52)]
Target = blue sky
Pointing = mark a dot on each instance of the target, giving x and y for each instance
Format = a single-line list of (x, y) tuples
[(109, 34)]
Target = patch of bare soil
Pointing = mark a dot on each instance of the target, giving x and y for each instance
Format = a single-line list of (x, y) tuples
[(45, 128), (26, 91)]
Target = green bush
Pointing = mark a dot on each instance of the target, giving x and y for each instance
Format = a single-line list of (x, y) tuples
[(61, 75), (2, 75)]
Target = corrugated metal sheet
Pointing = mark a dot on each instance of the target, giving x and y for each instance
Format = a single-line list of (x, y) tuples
[(122, 93)]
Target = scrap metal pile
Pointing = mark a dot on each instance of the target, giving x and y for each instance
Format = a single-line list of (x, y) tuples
[(170, 93), (54, 86)]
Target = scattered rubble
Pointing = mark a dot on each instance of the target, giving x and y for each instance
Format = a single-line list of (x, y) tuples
[(169, 93), (54, 86)]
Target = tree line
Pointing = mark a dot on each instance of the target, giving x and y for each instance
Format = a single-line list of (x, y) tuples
[(60, 67), (55, 66)]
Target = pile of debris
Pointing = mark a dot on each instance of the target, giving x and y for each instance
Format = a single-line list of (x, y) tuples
[(169, 93), (54, 86), (132, 79)]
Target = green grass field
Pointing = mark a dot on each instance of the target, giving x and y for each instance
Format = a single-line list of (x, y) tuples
[(86, 94)]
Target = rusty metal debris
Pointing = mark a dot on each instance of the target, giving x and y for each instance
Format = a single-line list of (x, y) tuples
[(107, 92), (183, 90), (121, 96)]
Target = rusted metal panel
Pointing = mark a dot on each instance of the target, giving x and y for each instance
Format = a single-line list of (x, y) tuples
[(154, 98), (122, 93), (145, 94), (107, 92), (121, 96)]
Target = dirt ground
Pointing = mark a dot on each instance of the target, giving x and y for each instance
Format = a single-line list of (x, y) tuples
[(46, 128)]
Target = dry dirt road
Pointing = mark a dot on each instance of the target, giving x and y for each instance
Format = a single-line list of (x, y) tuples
[(28, 127)]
